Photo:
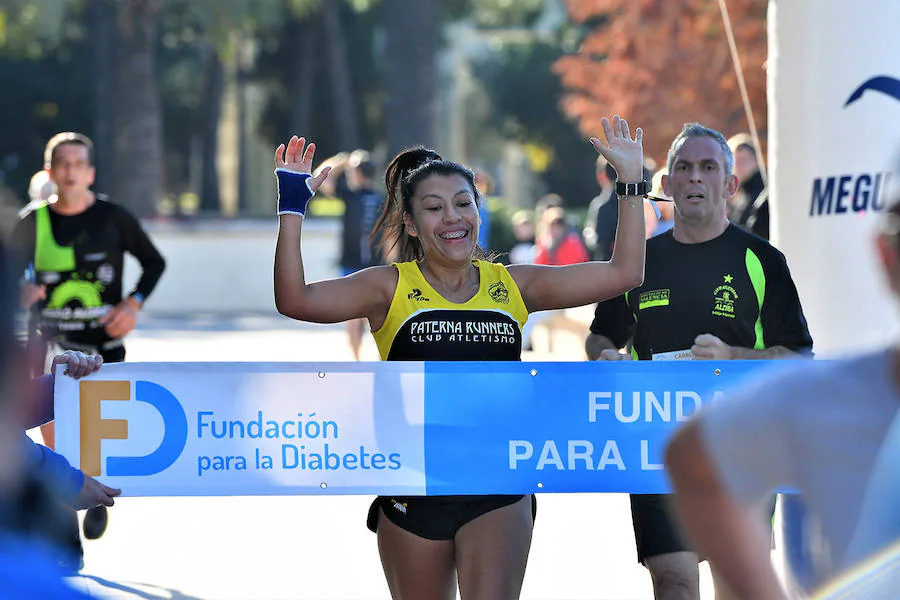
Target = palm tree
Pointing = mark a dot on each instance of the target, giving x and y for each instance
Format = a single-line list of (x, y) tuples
[(412, 37)]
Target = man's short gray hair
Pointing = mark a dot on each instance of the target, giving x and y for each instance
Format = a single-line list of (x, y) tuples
[(692, 130)]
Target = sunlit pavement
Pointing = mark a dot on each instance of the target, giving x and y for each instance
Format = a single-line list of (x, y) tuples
[(319, 547)]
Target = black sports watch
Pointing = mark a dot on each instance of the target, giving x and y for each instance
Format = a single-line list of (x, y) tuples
[(641, 188)]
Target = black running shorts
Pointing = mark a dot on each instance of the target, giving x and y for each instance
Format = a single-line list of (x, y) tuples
[(656, 530), (437, 517), (656, 527)]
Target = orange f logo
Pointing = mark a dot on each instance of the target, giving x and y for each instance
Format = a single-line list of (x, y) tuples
[(93, 427)]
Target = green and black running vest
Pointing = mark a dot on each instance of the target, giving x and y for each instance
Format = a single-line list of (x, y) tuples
[(76, 282)]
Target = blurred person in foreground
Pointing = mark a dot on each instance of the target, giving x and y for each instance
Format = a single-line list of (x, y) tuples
[(30, 489), (69, 487), (74, 251), (829, 430), (711, 292)]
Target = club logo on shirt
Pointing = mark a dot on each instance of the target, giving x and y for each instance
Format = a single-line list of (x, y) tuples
[(724, 297), (653, 298), (106, 273), (498, 292), (416, 294)]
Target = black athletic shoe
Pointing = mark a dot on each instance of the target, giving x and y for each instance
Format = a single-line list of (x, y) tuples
[(95, 522)]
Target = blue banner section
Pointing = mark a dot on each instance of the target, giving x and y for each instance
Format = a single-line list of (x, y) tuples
[(514, 428), (408, 428)]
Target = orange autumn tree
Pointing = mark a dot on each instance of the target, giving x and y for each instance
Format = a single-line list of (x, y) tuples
[(661, 63)]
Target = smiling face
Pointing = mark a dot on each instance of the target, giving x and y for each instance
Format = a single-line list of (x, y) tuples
[(698, 182), (444, 218)]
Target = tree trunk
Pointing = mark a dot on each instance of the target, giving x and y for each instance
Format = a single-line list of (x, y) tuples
[(412, 34), (341, 79), (213, 91), (303, 72), (138, 139), (101, 21)]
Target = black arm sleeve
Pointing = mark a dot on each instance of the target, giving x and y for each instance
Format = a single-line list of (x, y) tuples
[(782, 315), (613, 319), (137, 243), (22, 241)]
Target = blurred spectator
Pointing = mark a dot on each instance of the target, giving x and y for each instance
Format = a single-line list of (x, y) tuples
[(484, 183), (665, 208), (41, 191), (749, 208), (543, 204), (352, 179), (558, 243), (602, 216), (524, 231)]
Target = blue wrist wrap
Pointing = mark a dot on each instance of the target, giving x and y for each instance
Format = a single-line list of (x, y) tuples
[(293, 192)]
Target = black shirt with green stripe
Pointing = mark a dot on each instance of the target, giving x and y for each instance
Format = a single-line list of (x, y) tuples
[(80, 258), (736, 287)]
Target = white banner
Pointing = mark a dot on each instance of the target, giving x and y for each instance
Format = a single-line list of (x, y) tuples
[(156, 429), (834, 133)]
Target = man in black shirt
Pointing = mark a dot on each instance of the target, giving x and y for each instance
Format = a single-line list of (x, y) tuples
[(354, 177), (602, 216), (602, 220), (711, 291), (77, 246)]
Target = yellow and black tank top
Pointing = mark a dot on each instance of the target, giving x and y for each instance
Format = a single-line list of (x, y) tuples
[(422, 325)]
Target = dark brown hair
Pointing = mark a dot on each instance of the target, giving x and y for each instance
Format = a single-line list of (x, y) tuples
[(401, 178)]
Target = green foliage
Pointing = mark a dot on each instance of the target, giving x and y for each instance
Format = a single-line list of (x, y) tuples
[(276, 70), (45, 58), (29, 28), (501, 236), (48, 92), (525, 97), (505, 13)]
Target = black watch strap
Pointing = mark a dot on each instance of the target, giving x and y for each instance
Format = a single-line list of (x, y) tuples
[(640, 188)]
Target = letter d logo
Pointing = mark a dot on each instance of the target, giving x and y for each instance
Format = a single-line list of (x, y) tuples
[(94, 428)]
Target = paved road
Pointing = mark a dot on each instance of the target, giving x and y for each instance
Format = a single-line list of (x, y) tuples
[(318, 547)]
